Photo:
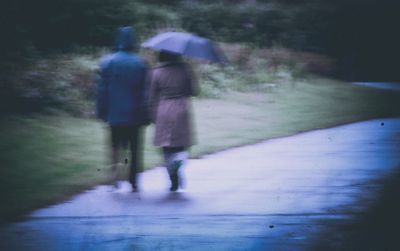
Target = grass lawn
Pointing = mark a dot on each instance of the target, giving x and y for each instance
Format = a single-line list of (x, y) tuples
[(45, 159)]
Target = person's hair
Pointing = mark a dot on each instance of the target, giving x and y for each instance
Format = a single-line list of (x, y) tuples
[(166, 56)]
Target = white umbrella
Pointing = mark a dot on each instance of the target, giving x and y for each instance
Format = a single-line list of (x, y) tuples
[(186, 44)]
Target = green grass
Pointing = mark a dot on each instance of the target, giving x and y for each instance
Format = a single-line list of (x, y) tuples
[(45, 159), (243, 118)]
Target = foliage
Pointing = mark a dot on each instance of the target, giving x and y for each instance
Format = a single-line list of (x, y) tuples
[(62, 82), (67, 82), (51, 83), (264, 41), (61, 25), (34, 33), (260, 24), (57, 24), (300, 62), (251, 69)]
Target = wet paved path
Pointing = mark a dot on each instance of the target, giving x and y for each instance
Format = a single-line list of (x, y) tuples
[(380, 85), (268, 196)]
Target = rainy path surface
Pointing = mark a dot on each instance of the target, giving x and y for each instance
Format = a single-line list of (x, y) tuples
[(268, 196), (380, 85)]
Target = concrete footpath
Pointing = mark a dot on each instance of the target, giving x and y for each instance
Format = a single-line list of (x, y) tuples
[(268, 196)]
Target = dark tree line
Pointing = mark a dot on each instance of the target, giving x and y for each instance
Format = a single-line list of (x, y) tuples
[(46, 25), (359, 34)]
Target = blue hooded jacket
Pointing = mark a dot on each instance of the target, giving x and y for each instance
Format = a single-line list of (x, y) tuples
[(122, 85)]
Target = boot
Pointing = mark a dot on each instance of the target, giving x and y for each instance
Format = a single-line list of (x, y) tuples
[(174, 174), (174, 182)]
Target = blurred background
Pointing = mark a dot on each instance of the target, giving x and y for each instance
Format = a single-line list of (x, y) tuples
[(290, 68), (55, 41)]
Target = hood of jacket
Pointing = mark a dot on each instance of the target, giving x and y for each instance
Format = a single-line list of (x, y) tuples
[(124, 39)]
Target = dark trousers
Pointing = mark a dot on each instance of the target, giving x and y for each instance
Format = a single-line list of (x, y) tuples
[(122, 137)]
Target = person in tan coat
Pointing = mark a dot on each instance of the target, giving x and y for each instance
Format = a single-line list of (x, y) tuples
[(172, 85)]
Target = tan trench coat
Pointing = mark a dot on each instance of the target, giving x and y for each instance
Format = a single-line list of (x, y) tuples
[(172, 84)]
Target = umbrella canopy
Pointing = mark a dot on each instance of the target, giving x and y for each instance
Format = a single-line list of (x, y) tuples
[(186, 44)]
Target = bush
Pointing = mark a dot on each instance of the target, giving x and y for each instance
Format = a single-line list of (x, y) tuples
[(67, 82), (238, 54), (299, 63), (234, 23), (61, 82), (246, 71), (213, 81)]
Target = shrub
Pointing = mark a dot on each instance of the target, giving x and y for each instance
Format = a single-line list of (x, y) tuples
[(64, 82), (299, 63), (238, 54)]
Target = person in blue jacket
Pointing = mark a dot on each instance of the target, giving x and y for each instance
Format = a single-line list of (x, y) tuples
[(122, 101)]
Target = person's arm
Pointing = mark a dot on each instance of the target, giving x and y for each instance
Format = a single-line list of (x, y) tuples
[(146, 95), (153, 95)]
